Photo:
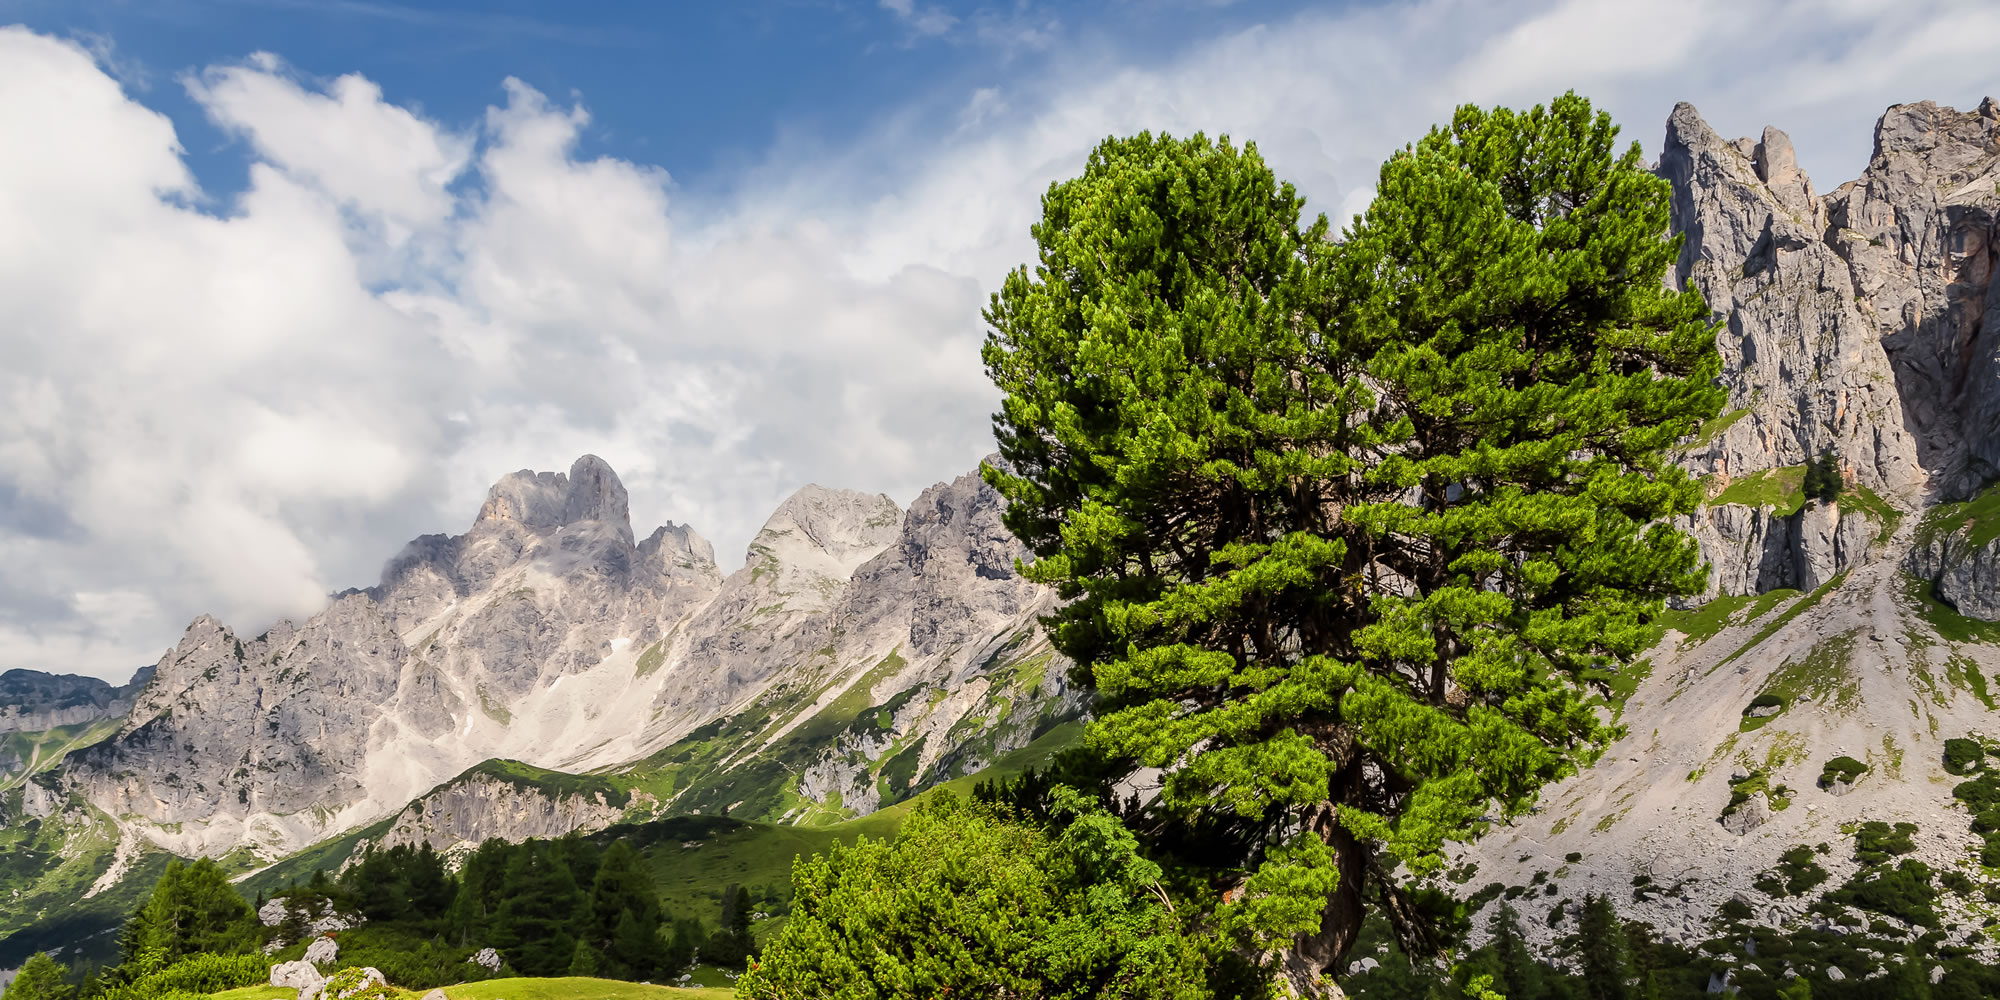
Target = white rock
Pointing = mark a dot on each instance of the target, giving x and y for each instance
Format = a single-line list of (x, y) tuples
[(299, 975), (322, 950)]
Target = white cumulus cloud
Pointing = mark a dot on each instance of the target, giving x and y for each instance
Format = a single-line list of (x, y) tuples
[(236, 405)]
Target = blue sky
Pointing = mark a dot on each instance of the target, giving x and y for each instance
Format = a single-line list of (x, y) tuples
[(700, 89), (290, 282)]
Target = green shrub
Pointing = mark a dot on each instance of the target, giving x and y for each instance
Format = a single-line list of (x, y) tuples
[(1963, 756), (1904, 892), (1843, 769), (1877, 841)]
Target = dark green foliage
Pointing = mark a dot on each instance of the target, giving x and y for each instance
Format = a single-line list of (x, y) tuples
[(1982, 796), (1324, 511), (401, 883), (193, 909), (1517, 972), (1904, 892), (533, 925), (731, 944), (1876, 841), (969, 902), (624, 916), (1843, 769), (40, 978), (1823, 479), (1602, 951), (1963, 756), (1800, 870)]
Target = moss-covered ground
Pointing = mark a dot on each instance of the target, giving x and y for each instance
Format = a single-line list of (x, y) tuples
[(1782, 490)]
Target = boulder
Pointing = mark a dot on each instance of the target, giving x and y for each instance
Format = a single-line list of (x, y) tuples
[(486, 958), (299, 975), (322, 950)]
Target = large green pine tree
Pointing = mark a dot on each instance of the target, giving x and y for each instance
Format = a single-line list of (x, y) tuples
[(1345, 529)]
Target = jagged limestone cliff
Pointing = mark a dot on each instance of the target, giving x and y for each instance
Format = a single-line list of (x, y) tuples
[(1858, 323)]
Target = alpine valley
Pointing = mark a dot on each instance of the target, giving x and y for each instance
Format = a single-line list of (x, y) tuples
[(549, 671)]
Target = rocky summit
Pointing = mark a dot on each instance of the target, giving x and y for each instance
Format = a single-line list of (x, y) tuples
[(1842, 641), (548, 639)]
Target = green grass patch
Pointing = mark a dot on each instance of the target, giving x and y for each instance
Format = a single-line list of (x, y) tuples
[(652, 658), (577, 988), (1949, 624), (1713, 428), (1868, 502), (1782, 490), (1963, 672), (1824, 674), (1979, 517), (553, 784), (1771, 628)]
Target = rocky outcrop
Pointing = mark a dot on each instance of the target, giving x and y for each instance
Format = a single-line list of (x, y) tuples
[(1958, 552), (32, 701), (480, 805)]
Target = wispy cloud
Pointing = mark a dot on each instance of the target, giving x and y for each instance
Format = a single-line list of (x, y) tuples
[(482, 22)]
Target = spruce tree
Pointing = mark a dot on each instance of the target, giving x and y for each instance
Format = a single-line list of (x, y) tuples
[(1601, 948), (1347, 534), (1519, 974), (533, 924), (481, 887), (40, 978), (193, 908), (624, 916)]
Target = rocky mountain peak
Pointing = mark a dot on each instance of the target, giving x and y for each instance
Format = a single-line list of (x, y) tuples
[(590, 492), (827, 532)]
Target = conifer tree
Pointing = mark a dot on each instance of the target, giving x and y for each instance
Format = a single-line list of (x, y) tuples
[(40, 978), (533, 923), (624, 916), (1346, 531), (1601, 947), (1520, 976), (193, 908), (481, 884)]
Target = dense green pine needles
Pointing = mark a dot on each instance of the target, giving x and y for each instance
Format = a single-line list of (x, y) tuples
[(1342, 525)]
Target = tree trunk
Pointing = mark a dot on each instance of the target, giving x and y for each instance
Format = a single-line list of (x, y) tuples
[(1313, 956)]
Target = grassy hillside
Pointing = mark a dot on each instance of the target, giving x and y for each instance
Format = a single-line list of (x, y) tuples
[(694, 857), (40, 751)]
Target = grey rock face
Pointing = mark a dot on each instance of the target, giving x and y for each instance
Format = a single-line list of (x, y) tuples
[(1963, 568), (32, 701), (546, 634), (1856, 323), (478, 806)]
